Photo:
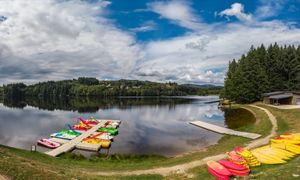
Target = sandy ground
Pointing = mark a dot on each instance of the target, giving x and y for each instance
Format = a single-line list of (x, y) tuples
[(3, 178), (182, 168)]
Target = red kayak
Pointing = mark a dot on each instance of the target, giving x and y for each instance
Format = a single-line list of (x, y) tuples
[(238, 173), (47, 143), (234, 166), (218, 168), (216, 175)]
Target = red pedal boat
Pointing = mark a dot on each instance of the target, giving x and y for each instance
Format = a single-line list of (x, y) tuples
[(47, 143)]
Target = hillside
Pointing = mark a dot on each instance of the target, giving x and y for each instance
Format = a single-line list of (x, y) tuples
[(92, 87)]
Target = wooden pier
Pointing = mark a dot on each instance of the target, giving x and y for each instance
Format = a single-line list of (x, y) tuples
[(222, 130), (77, 142)]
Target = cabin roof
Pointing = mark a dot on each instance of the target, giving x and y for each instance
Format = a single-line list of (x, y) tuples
[(282, 96)]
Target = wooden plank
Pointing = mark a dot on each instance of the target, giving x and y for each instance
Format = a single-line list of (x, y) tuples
[(72, 143), (222, 130)]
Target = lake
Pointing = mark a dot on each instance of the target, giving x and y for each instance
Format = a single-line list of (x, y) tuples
[(149, 125)]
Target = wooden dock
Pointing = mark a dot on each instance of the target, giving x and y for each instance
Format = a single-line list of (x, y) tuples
[(222, 130), (77, 142)]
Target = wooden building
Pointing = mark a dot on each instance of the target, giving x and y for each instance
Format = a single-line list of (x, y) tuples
[(282, 98)]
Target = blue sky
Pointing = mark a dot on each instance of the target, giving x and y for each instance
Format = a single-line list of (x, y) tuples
[(185, 41)]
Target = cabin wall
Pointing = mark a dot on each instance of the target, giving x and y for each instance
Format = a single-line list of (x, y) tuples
[(295, 99), (266, 100)]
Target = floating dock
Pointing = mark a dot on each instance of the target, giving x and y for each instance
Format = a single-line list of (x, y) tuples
[(69, 145), (222, 130)]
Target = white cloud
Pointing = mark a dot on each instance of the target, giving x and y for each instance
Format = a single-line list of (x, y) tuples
[(269, 8), (146, 26), (54, 39), (178, 11), (206, 61), (237, 10)]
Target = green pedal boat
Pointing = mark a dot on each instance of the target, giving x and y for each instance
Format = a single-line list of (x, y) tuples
[(111, 131)]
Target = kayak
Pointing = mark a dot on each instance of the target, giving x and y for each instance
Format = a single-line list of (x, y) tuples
[(238, 173), (287, 146), (236, 158), (218, 168), (111, 131), (285, 140), (290, 136), (265, 159), (216, 175), (47, 143), (234, 166), (248, 156), (63, 136)]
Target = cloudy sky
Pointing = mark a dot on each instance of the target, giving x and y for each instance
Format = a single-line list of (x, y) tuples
[(186, 41)]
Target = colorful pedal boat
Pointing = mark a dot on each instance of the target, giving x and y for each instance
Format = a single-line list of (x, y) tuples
[(103, 143), (111, 131), (47, 143), (63, 136), (70, 132)]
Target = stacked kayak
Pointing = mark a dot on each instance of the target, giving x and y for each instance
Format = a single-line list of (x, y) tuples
[(235, 169), (236, 158), (218, 171), (248, 156)]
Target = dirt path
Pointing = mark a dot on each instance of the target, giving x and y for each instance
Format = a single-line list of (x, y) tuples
[(3, 178), (182, 168)]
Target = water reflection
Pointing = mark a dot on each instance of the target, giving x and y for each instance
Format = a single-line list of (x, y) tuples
[(149, 126)]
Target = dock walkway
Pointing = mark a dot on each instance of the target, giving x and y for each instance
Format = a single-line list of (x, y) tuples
[(222, 130), (76, 141)]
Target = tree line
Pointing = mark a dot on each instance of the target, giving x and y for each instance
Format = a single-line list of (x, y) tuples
[(261, 70), (92, 87)]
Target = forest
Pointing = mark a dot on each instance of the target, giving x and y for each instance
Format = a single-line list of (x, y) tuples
[(92, 87), (261, 70)]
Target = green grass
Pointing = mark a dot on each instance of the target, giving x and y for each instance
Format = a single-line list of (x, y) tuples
[(24, 163)]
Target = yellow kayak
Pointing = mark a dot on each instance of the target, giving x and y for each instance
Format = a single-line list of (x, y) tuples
[(285, 140), (272, 153), (276, 151), (288, 147), (267, 159), (291, 136)]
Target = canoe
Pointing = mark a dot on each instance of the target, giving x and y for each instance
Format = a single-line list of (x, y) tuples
[(218, 176), (63, 136), (218, 168), (111, 131), (231, 165), (47, 143)]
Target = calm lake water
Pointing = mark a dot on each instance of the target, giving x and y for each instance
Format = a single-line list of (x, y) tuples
[(149, 125)]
